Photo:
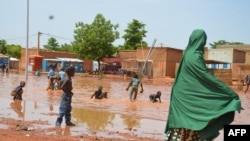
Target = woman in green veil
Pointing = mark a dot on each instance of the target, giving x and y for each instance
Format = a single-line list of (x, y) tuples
[(200, 103)]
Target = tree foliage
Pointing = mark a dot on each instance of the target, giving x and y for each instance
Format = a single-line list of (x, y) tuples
[(10, 50), (223, 42), (66, 48), (14, 51), (3, 49), (94, 41), (52, 44), (134, 35)]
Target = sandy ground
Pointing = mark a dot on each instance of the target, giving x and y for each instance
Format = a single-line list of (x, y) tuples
[(112, 119)]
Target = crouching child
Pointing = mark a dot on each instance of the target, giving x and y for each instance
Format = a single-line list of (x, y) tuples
[(98, 94), (153, 97)]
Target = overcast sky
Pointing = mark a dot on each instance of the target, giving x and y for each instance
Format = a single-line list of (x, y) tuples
[(169, 21)]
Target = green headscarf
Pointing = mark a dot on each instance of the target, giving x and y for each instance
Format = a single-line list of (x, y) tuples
[(200, 101)]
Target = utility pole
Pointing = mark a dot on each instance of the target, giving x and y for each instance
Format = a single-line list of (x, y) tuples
[(38, 42), (27, 43)]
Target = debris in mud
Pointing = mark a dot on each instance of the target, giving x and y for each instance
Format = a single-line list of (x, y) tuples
[(26, 128)]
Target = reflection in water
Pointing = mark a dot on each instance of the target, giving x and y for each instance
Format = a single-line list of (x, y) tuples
[(51, 108), (67, 131), (114, 114), (95, 120), (16, 105), (131, 121), (35, 105)]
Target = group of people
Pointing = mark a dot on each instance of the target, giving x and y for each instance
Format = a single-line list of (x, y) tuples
[(200, 104), (4, 68), (134, 84), (54, 80)]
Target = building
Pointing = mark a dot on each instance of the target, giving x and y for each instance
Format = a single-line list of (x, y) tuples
[(155, 62), (45, 54), (14, 63), (240, 60)]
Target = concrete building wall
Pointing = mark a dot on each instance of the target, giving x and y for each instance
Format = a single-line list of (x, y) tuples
[(243, 47), (224, 55), (222, 74), (234, 56)]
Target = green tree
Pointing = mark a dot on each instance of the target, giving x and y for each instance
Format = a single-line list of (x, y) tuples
[(52, 44), (94, 41), (14, 51), (3, 49), (134, 35), (223, 42), (66, 48)]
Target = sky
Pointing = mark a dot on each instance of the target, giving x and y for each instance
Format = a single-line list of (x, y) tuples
[(170, 22)]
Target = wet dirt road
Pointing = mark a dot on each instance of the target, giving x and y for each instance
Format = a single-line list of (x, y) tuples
[(96, 117)]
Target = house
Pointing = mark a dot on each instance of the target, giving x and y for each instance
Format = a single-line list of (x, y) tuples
[(14, 63), (36, 60), (238, 55), (155, 62)]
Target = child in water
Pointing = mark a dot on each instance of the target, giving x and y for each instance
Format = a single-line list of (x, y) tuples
[(65, 106), (99, 94), (153, 97), (18, 91)]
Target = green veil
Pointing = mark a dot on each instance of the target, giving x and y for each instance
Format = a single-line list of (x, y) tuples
[(200, 101)]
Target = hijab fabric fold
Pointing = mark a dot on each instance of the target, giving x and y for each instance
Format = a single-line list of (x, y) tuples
[(199, 100)]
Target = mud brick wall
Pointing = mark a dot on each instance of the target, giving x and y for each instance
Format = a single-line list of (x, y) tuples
[(247, 60), (225, 75), (164, 60), (240, 70)]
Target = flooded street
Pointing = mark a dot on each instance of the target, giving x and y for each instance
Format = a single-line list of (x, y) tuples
[(95, 117)]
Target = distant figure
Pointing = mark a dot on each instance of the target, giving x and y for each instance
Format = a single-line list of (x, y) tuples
[(53, 66), (153, 97), (2, 67), (7, 70), (96, 71), (37, 73), (61, 74), (56, 83), (134, 83), (18, 91), (247, 79), (51, 77), (51, 73), (99, 94)]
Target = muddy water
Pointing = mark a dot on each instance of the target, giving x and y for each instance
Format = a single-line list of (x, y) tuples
[(99, 117), (114, 114)]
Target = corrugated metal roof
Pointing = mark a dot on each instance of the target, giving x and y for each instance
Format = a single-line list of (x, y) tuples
[(13, 59), (70, 59)]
